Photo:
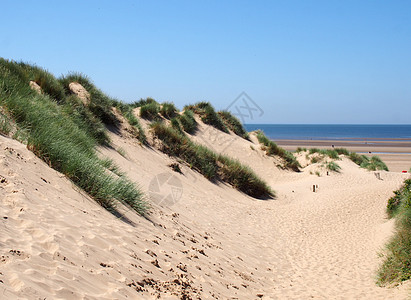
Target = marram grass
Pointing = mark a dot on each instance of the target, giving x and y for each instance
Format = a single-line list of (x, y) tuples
[(397, 255), (211, 165), (56, 135)]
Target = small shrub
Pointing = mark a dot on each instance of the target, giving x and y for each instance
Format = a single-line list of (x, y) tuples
[(149, 111), (168, 110), (299, 149), (317, 173)]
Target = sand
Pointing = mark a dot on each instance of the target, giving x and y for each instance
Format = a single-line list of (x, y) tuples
[(214, 242), (395, 153)]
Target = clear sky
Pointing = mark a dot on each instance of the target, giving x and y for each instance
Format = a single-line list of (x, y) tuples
[(299, 61)]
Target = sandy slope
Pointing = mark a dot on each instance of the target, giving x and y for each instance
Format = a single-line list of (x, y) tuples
[(214, 242)]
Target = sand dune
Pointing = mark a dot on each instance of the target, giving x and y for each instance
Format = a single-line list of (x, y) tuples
[(214, 242), (395, 153)]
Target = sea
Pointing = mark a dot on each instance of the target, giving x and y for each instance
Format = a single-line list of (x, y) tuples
[(332, 131)]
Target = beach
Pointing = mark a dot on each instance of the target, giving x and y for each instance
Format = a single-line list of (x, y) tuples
[(395, 153)]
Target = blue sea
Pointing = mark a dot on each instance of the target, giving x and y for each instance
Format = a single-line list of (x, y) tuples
[(332, 132)]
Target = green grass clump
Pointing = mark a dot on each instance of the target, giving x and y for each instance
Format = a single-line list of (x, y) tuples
[(175, 123), (271, 149), (397, 256), (300, 149), (243, 178), (372, 164), (233, 123), (85, 119), (211, 165), (143, 102), (342, 151), (5, 124), (54, 135), (127, 112), (100, 104), (333, 154), (149, 111), (333, 166), (168, 110), (315, 160), (198, 157), (208, 115), (26, 73), (188, 121)]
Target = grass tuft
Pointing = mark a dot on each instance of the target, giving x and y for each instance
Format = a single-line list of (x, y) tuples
[(168, 110), (188, 121), (127, 112), (271, 149), (208, 115), (397, 255), (333, 166), (100, 104), (149, 111), (233, 123), (209, 164)]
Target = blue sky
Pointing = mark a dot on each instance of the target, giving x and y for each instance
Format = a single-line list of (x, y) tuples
[(300, 61)]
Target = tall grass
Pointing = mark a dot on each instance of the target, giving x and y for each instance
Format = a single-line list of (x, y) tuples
[(100, 104), (271, 149), (56, 137), (333, 166), (5, 124), (143, 102), (397, 255), (168, 110), (374, 163), (233, 123), (85, 119), (26, 73), (188, 121), (127, 112), (149, 111), (211, 165), (208, 115), (333, 154)]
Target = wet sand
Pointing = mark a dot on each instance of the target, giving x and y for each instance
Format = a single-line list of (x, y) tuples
[(395, 153)]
